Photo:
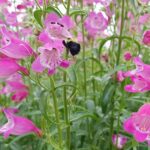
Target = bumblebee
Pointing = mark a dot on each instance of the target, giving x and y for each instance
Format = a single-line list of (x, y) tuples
[(72, 47)]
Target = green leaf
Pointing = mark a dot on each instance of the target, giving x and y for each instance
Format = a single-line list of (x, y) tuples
[(38, 17), (53, 9), (82, 115), (107, 95), (78, 12)]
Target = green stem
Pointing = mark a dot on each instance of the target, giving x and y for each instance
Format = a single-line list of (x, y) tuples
[(37, 3), (121, 31), (68, 7), (83, 56), (117, 63), (93, 81), (68, 141), (56, 112)]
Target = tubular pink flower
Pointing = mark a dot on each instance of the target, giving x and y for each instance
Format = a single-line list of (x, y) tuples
[(11, 18), (146, 38), (95, 23), (140, 77), (139, 85), (120, 140), (9, 66), (120, 76), (17, 125), (14, 85), (139, 124), (50, 58), (58, 28), (14, 47), (144, 19)]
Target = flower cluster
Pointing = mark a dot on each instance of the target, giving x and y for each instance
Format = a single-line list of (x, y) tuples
[(139, 124), (56, 30), (138, 76)]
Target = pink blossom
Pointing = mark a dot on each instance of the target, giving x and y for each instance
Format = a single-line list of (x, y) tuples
[(120, 76), (9, 66), (138, 124), (120, 140), (143, 19), (50, 58), (11, 18), (58, 28), (14, 47), (17, 125), (127, 56), (95, 23), (14, 85), (146, 38), (140, 77), (139, 84)]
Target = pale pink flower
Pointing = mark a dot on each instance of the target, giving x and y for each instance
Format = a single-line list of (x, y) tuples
[(120, 140), (146, 38), (139, 84), (16, 87), (139, 124), (11, 18), (95, 23), (50, 58), (58, 28), (142, 70), (17, 125), (120, 76), (140, 77), (143, 19)]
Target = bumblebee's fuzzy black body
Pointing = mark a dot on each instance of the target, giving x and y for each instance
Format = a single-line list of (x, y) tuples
[(73, 47)]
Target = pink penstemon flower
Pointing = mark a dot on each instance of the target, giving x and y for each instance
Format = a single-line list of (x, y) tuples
[(16, 87), (139, 124), (14, 47), (50, 58), (140, 77), (95, 23), (17, 125), (146, 38), (120, 76), (56, 28), (10, 66)]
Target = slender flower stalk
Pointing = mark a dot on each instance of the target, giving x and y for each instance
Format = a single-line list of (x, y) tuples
[(37, 3), (93, 81), (83, 56), (117, 63), (56, 112), (66, 114)]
